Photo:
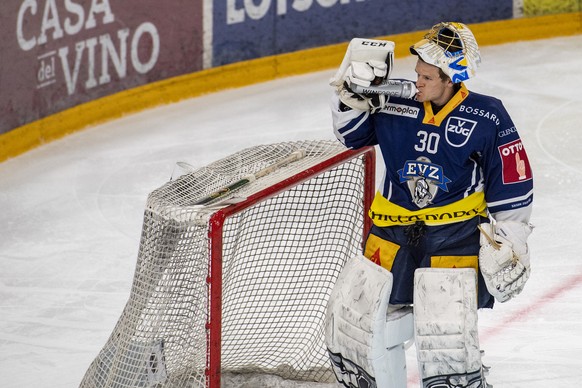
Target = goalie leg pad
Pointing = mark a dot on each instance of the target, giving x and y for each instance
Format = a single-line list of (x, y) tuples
[(446, 334), (365, 346)]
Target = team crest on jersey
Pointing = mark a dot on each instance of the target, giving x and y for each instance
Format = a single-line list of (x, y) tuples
[(458, 131), (424, 180)]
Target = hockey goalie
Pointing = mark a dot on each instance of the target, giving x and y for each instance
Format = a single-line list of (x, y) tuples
[(450, 220)]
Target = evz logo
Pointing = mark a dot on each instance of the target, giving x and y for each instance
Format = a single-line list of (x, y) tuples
[(458, 130), (424, 179)]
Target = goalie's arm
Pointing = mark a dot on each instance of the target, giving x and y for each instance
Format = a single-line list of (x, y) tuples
[(352, 128)]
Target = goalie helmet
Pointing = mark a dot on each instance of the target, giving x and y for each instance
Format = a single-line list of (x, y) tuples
[(451, 47)]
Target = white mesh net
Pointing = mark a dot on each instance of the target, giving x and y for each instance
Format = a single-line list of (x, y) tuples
[(280, 250)]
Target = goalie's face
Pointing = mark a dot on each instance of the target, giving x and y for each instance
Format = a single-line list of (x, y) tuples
[(430, 85)]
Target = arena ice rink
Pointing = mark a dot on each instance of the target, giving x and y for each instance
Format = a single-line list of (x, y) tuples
[(71, 215)]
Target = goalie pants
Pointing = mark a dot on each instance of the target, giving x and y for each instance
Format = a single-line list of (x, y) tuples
[(403, 249)]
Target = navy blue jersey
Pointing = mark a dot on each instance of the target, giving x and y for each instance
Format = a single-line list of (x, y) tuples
[(465, 158)]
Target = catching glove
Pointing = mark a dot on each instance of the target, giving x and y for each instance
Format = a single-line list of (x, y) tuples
[(504, 258)]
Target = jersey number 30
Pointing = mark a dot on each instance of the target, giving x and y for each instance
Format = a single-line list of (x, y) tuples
[(427, 142)]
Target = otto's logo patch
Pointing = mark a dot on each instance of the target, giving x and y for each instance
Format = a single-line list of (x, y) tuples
[(458, 131), (515, 163), (401, 110)]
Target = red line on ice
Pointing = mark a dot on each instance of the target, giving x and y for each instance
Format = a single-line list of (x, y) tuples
[(520, 315)]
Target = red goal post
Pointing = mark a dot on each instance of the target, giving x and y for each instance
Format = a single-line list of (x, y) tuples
[(239, 285)]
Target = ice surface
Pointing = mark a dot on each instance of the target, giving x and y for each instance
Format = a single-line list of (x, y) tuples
[(71, 214)]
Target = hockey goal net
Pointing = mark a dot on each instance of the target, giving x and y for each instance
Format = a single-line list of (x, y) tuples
[(235, 266)]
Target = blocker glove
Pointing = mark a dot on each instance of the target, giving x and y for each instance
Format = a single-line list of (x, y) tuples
[(366, 62), (504, 258), (364, 74)]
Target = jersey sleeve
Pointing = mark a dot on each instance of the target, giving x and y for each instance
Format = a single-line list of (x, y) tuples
[(352, 127), (507, 171)]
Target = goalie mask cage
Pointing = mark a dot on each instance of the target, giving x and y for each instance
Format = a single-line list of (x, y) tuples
[(240, 285)]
